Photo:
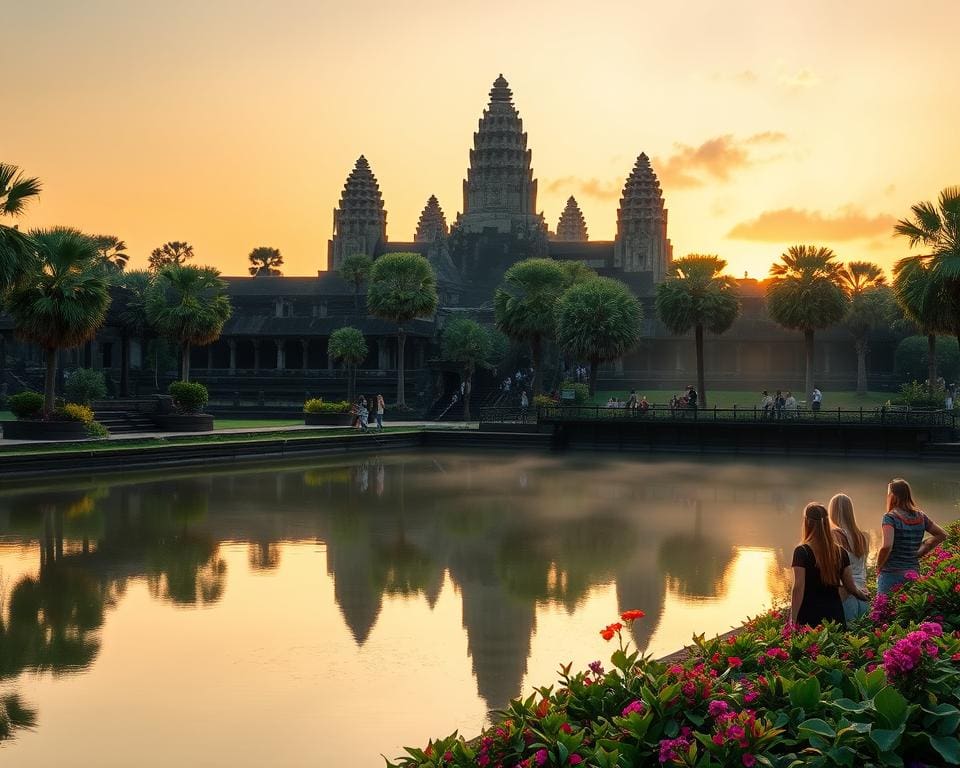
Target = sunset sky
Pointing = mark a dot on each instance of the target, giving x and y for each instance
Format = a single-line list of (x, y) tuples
[(234, 123)]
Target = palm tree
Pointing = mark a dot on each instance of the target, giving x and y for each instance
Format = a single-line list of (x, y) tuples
[(937, 229), (62, 300), (188, 304), (466, 342), (113, 251), (265, 261), (871, 306), (804, 294), (598, 320), (921, 296), (355, 269), (402, 288), (136, 284), (16, 251), (696, 294), (348, 345), (175, 252), (525, 306)]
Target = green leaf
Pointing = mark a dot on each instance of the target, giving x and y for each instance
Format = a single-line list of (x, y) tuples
[(948, 747), (562, 753), (891, 706), (886, 739), (817, 726), (806, 693)]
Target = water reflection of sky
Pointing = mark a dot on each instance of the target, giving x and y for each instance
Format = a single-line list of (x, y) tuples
[(301, 615)]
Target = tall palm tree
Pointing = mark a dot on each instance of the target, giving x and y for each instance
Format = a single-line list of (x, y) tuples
[(16, 251), (402, 288), (696, 294), (525, 306), (188, 304), (355, 269), (113, 251), (921, 295), (598, 320), (136, 285), (804, 294), (466, 342), (871, 306), (265, 261), (175, 252), (62, 300), (937, 229), (348, 345)]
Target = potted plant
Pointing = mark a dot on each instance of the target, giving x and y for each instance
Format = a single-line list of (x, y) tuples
[(189, 398), (66, 422), (333, 414)]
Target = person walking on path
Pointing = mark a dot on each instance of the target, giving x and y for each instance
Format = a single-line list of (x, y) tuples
[(857, 546), (820, 567), (524, 404), (816, 398), (381, 407), (904, 528)]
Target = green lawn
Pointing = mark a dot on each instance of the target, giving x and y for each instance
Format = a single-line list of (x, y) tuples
[(720, 398), (252, 423), (6, 416)]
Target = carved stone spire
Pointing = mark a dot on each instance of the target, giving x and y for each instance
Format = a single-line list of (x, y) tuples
[(360, 222), (641, 244), (499, 191), (433, 224), (572, 226)]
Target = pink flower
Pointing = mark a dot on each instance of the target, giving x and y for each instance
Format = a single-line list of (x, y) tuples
[(749, 760), (734, 662), (911, 576), (540, 756), (633, 706), (718, 708), (575, 759)]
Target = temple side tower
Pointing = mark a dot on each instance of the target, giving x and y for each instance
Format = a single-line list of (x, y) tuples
[(433, 224), (641, 244), (572, 226), (360, 222), (500, 193)]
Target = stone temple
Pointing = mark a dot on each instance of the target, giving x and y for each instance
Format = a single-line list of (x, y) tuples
[(274, 348)]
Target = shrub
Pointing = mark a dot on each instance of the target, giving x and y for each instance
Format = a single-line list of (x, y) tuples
[(917, 395), (188, 396), (74, 412), (543, 401), (26, 404), (910, 358), (317, 405), (84, 385), (96, 429), (581, 393)]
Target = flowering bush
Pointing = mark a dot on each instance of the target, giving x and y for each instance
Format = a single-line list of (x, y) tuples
[(317, 405), (885, 692)]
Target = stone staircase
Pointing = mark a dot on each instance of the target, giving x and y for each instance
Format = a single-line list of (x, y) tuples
[(124, 417)]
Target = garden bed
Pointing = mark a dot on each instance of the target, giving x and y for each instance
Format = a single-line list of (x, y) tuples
[(35, 429), (885, 692)]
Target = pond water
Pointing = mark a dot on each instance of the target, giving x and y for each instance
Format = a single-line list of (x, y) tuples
[(323, 614)]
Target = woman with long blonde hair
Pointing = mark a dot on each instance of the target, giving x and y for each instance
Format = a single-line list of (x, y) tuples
[(856, 544), (904, 528), (820, 567)]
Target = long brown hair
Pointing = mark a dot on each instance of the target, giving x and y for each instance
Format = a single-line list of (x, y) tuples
[(841, 515), (816, 535), (900, 497)]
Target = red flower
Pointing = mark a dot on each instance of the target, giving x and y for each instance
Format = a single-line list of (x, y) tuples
[(566, 728), (611, 630), (631, 615), (734, 662)]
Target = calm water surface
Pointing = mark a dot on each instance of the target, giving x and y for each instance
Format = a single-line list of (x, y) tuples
[(326, 613)]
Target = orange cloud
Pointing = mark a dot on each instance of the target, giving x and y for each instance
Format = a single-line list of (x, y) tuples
[(596, 188), (788, 224), (715, 159)]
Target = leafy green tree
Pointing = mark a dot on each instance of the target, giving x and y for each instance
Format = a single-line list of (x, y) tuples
[(134, 323), (468, 343), (175, 252), (577, 272), (598, 320), (16, 250), (805, 294), (921, 295), (402, 288), (113, 252), (937, 229), (859, 276), (355, 269), (696, 294), (525, 306), (265, 261), (189, 305), (872, 306), (348, 346), (62, 299)]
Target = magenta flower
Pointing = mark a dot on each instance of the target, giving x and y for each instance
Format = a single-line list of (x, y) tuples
[(540, 757), (718, 708), (634, 706)]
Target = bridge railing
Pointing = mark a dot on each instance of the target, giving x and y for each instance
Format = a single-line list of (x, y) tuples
[(883, 415)]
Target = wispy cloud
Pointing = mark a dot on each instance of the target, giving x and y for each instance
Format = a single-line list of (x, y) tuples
[(716, 159), (786, 224), (800, 78), (596, 188)]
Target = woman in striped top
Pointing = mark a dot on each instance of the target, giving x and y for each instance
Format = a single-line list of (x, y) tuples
[(904, 528)]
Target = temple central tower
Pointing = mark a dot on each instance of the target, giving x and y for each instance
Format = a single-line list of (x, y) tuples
[(499, 193)]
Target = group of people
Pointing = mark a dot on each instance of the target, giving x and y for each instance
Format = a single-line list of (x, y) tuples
[(521, 380), (830, 563), (361, 412)]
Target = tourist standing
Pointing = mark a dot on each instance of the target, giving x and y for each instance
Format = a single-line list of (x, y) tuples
[(766, 403), (790, 405), (632, 400), (524, 404), (692, 398), (904, 528), (856, 544), (819, 568), (644, 404), (381, 406), (948, 400), (816, 398), (779, 403)]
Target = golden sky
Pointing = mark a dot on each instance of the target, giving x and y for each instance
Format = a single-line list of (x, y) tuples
[(234, 123)]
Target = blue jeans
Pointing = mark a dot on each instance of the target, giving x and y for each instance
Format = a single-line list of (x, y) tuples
[(853, 607), (379, 420), (887, 581)]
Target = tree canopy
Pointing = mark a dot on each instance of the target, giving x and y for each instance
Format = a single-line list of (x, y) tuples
[(355, 269), (175, 252), (348, 345), (467, 343), (113, 252), (16, 250), (265, 261)]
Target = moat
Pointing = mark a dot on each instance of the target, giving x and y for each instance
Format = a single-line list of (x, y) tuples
[(324, 613)]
